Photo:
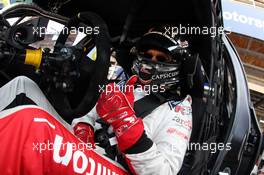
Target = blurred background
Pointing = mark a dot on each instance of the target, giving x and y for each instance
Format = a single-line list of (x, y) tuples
[(245, 18)]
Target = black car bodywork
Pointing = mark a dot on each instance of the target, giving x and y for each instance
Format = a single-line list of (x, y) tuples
[(224, 114)]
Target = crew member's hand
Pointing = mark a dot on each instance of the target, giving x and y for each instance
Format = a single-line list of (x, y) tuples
[(83, 129), (85, 133), (116, 108)]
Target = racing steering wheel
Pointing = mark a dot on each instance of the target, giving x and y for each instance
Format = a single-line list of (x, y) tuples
[(93, 73), (97, 77)]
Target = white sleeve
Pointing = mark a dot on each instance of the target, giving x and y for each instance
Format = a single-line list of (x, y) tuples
[(170, 141)]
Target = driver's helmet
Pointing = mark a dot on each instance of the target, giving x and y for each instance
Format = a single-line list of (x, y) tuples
[(158, 59)]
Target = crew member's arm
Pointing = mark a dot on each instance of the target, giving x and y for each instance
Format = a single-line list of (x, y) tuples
[(34, 142)]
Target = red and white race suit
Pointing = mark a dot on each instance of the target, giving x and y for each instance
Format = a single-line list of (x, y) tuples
[(169, 127), (34, 142)]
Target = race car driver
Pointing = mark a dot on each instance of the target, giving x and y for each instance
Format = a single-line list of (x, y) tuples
[(155, 143)]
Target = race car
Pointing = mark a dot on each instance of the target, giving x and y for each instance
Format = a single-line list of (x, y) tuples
[(224, 121)]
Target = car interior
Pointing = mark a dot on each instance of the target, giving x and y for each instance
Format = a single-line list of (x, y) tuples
[(207, 80)]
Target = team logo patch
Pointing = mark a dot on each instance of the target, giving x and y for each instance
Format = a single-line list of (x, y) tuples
[(179, 107), (184, 110), (173, 104)]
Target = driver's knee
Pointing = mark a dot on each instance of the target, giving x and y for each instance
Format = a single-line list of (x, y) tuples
[(18, 91), (23, 80), (18, 85), (25, 85)]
